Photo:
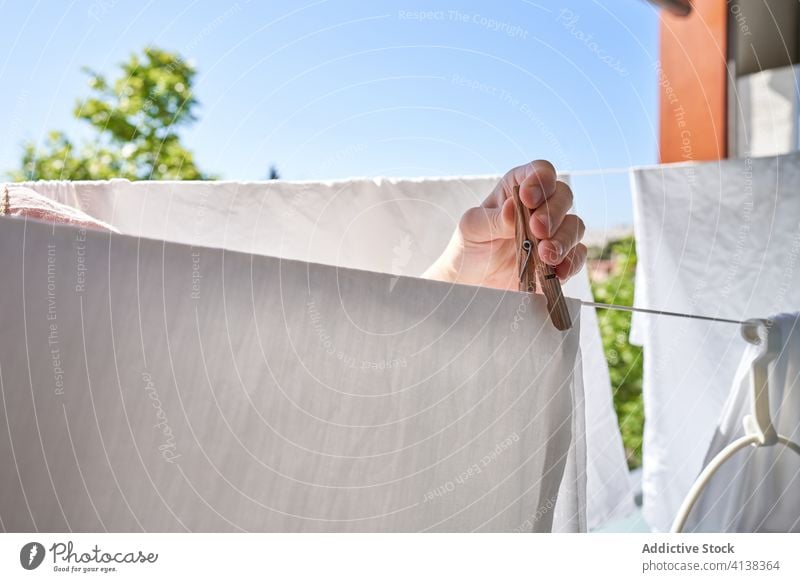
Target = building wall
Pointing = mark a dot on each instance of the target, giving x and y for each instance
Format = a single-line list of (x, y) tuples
[(693, 83)]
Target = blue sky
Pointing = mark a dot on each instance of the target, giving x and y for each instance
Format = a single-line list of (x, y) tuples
[(333, 89)]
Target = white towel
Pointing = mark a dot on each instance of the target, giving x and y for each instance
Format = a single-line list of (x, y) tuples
[(720, 239), (396, 226), (160, 387), (758, 489)]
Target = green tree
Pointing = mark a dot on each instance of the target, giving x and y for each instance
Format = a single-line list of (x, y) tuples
[(136, 119), (624, 359)]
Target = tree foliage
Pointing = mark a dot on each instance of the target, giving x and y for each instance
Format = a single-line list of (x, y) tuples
[(136, 119), (624, 359)]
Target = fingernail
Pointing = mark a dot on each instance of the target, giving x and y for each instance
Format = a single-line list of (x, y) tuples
[(558, 249)]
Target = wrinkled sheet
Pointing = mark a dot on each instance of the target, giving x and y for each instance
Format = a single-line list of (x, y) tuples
[(152, 386), (396, 226), (719, 239)]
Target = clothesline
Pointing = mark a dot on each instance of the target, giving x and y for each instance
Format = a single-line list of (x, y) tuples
[(600, 171), (622, 170), (658, 312)]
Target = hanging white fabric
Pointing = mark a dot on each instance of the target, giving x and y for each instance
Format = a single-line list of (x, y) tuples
[(757, 489), (396, 226), (720, 239), (161, 387)]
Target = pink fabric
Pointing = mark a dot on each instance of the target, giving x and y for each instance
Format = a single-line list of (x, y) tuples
[(20, 201)]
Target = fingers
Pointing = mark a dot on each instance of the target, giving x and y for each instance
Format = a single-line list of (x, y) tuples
[(554, 249), (549, 199), (546, 218), (482, 224), (538, 183), (572, 263)]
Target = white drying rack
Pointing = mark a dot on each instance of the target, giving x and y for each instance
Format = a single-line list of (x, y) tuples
[(758, 427)]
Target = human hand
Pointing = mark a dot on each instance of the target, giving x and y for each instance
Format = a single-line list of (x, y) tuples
[(482, 250)]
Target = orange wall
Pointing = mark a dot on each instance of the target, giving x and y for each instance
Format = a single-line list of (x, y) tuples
[(693, 84)]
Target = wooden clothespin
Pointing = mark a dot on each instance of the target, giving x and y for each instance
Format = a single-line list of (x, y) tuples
[(532, 267), (5, 206)]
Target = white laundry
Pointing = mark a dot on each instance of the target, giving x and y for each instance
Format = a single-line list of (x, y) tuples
[(767, 112), (719, 239), (396, 226), (757, 489), (161, 387)]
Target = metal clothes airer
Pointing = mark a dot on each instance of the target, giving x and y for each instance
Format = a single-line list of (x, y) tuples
[(759, 430)]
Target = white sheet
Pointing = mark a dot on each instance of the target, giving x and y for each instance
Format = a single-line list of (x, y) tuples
[(758, 489), (767, 112), (161, 387), (396, 226), (720, 239)]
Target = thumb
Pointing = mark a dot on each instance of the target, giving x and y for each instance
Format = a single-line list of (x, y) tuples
[(482, 224)]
